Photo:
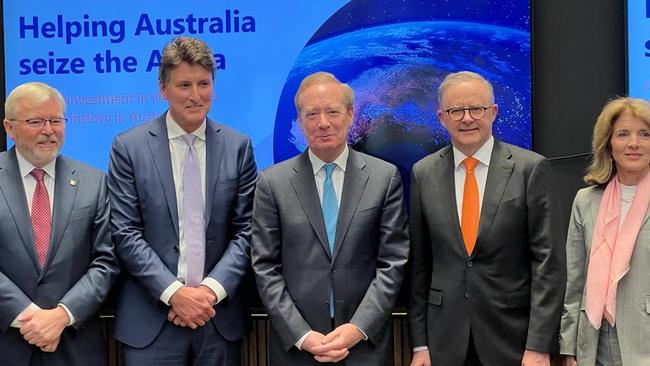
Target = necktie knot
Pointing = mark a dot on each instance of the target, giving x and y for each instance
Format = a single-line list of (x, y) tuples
[(329, 169), (189, 139), (470, 163), (38, 174)]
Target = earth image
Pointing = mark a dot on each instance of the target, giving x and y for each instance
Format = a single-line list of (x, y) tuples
[(395, 70)]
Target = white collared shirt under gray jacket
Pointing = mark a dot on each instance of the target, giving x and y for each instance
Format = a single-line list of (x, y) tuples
[(578, 337), (295, 270)]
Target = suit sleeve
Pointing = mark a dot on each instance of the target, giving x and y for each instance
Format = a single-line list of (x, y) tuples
[(576, 255), (127, 224), (86, 296), (234, 263), (375, 308), (267, 264), (548, 260), (420, 262), (12, 302)]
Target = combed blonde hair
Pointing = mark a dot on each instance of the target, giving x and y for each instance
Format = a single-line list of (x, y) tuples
[(602, 167), (321, 77)]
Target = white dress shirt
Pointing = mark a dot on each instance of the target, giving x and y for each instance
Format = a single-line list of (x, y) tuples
[(29, 184), (483, 155), (178, 150)]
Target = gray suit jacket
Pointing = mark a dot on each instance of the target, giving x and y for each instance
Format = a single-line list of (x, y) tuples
[(295, 270), (578, 336), (80, 269), (509, 291), (144, 222)]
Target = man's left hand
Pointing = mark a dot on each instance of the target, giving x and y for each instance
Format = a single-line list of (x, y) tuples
[(344, 336), (534, 358), (44, 327)]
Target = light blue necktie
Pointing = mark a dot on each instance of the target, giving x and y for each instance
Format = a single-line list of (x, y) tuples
[(193, 221), (330, 208)]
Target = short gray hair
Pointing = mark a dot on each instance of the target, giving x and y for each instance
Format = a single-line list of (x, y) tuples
[(460, 77), (34, 91)]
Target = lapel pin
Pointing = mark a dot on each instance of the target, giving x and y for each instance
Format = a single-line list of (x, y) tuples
[(73, 182)]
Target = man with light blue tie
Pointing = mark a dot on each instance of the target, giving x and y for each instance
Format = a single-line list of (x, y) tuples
[(330, 240), (182, 188)]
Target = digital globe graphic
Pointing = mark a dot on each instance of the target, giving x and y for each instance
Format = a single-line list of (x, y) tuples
[(395, 70)]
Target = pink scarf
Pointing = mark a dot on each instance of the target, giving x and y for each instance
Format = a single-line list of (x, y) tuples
[(611, 249)]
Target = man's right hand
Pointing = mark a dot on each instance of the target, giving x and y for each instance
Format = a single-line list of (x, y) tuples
[(421, 358), (315, 339), (193, 306), (566, 360)]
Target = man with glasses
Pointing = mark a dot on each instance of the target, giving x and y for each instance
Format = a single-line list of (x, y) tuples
[(58, 262), (487, 260)]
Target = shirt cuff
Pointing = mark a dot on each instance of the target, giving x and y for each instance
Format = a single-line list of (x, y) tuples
[(17, 323), (169, 291), (365, 336), (72, 320), (215, 286), (420, 348), (301, 341)]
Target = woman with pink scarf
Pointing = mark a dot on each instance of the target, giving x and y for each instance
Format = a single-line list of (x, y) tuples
[(606, 317)]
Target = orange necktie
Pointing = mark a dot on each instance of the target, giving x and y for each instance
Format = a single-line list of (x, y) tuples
[(470, 214)]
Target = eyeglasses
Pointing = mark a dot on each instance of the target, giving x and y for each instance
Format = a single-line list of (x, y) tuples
[(458, 114), (38, 123)]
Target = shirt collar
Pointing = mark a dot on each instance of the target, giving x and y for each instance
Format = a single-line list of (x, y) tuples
[(26, 167), (483, 154), (341, 161), (174, 130)]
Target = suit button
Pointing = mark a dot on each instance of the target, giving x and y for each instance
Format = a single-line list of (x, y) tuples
[(467, 295), (176, 249), (469, 264)]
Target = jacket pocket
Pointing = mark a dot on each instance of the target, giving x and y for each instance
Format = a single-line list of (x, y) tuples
[(435, 297), (518, 299)]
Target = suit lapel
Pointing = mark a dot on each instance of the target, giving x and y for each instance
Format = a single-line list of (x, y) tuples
[(499, 173), (304, 185), (445, 182), (11, 186), (214, 146), (354, 184), (65, 192), (160, 155)]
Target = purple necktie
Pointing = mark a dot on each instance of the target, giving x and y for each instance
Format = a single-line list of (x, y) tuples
[(41, 217), (193, 221)]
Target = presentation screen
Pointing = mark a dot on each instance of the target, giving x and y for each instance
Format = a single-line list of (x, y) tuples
[(103, 56), (638, 48)]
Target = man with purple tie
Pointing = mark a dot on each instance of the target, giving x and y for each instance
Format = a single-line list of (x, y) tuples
[(181, 188)]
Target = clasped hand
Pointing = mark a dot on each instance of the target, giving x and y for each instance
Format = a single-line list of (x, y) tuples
[(192, 306), (334, 346), (43, 327)]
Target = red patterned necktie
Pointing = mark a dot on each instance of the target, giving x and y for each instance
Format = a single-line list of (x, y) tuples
[(41, 217)]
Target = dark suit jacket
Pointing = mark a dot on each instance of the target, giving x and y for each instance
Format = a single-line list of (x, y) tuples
[(144, 222), (295, 270), (509, 292), (80, 269)]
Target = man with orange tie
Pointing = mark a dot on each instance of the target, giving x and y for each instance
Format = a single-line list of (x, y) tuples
[(487, 259)]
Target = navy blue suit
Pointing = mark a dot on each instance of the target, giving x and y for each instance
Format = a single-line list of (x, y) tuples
[(145, 219)]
